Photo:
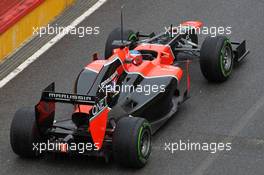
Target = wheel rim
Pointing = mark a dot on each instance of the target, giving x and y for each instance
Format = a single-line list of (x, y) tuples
[(145, 143), (227, 58)]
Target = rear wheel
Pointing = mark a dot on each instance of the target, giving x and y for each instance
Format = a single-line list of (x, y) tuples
[(132, 142), (24, 133), (216, 58), (128, 35)]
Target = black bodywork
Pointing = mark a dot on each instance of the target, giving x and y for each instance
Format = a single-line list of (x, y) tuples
[(155, 106)]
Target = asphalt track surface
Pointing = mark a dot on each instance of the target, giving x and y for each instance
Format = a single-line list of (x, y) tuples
[(232, 111)]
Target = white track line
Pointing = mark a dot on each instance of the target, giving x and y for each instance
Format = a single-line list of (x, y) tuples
[(48, 45)]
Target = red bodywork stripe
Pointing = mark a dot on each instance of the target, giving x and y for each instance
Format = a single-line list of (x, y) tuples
[(188, 76), (96, 65), (98, 127)]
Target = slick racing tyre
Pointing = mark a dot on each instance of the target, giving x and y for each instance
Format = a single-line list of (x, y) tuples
[(128, 35), (132, 142), (216, 60), (24, 133)]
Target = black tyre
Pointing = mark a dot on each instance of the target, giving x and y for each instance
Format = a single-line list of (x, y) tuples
[(128, 35), (216, 58), (132, 142), (24, 133)]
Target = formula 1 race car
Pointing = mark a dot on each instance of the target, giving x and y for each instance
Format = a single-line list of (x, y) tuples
[(119, 102)]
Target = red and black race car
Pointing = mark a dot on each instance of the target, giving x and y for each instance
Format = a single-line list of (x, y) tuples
[(119, 102)]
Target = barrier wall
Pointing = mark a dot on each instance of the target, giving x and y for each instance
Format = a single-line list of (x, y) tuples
[(17, 19)]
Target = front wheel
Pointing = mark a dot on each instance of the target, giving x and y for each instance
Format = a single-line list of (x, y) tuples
[(216, 60), (132, 142)]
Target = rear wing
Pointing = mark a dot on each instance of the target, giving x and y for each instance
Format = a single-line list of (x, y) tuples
[(49, 95), (45, 109)]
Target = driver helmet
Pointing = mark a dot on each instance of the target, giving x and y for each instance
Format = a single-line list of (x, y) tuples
[(136, 57)]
